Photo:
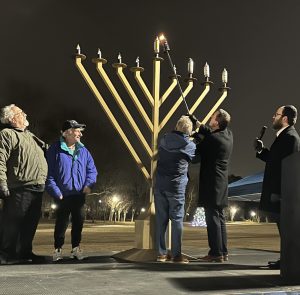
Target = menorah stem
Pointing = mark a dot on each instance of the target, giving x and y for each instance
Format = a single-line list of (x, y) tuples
[(215, 107)]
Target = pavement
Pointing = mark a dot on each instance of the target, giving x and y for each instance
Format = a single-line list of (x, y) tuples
[(244, 273)]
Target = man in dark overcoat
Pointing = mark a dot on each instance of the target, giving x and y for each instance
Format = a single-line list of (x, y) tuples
[(214, 152), (287, 141)]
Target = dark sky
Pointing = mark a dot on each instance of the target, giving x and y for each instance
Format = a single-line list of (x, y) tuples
[(257, 41)]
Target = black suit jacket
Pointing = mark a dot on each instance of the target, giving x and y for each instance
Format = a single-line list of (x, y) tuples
[(214, 153), (286, 143)]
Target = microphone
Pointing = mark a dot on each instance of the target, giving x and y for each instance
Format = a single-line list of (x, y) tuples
[(262, 132)]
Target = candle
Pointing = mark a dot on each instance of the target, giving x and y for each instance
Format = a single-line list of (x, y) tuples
[(174, 67), (206, 70), (225, 76), (99, 53), (156, 45), (120, 58), (137, 61), (78, 49), (190, 66)]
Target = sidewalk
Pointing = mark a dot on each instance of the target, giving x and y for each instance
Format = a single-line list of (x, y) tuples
[(245, 273)]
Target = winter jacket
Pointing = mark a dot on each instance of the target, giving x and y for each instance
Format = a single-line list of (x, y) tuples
[(22, 161), (69, 174), (174, 154), (214, 152)]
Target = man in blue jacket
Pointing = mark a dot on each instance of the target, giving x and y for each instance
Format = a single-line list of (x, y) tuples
[(71, 175), (174, 154)]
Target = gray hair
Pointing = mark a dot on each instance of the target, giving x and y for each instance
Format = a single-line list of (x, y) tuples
[(223, 118), (184, 125), (6, 114)]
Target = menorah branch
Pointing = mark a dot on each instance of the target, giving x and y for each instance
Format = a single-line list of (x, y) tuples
[(141, 83), (168, 91), (200, 98)]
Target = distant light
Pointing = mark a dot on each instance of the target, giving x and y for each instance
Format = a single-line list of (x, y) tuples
[(53, 206), (115, 199), (252, 213), (233, 209), (100, 201), (143, 210)]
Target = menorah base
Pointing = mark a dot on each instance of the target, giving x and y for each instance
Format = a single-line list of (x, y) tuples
[(142, 255)]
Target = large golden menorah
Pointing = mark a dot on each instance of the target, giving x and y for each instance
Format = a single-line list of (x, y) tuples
[(144, 226)]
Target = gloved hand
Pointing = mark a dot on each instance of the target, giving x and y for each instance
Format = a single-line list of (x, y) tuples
[(4, 192), (258, 145), (194, 120)]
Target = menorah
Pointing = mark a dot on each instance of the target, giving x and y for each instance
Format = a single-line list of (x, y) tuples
[(144, 225)]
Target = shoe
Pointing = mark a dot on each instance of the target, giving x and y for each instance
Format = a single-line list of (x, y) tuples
[(180, 259), (77, 253), (34, 258), (225, 257), (274, 264), (210, 258), (57, 255), (163, 258)]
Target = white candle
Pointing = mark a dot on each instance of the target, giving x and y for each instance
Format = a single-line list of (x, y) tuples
[(191, 66), (225, 76), (99, 53), (174, 67), (137, 61), (156, 45), (120, 58), (78, 49), (206, 70)]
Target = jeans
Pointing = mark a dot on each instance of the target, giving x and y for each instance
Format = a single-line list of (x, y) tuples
[(169, 206), (216, 231), (74, 206)]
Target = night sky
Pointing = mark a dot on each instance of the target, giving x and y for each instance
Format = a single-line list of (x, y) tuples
[(257, 41)]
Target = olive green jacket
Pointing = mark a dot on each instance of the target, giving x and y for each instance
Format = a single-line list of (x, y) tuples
[(22, 160)]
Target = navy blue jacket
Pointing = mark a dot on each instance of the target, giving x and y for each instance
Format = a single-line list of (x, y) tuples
[(67, 174), (174, 154)]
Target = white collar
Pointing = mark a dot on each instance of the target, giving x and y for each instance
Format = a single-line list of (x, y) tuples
[(280, 130)]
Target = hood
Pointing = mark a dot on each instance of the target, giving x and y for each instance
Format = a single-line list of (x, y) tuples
[(174, 141)]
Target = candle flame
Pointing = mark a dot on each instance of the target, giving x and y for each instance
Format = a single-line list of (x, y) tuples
[(162, 37)]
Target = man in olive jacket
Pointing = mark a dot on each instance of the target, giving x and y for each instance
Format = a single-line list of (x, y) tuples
[(287, 141), (23, 171), (214, 153)]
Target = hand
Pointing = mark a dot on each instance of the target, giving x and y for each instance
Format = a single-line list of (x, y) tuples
[(195, 121), (4, 192), (258, 145), (86, 190)]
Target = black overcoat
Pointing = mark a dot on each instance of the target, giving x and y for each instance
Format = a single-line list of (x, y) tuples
[(214, 153), (286, 143)]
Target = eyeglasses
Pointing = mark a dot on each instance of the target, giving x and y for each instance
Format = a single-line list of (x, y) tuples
[(277, 114)]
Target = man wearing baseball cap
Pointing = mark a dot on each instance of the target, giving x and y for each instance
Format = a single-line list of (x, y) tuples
[(71, 175)]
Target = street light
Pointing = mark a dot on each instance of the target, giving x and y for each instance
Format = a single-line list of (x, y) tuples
[(53, 206), (143, 210), (233, 211)]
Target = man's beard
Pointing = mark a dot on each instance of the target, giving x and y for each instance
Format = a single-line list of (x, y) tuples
[(277, 125)]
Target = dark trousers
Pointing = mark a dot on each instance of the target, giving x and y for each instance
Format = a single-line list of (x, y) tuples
[(74, 206), (216, 231), (20, 217)]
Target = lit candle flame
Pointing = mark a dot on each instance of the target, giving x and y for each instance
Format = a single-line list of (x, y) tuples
[(162, 38), (206, 70), (190, 66), (137, 61), (99, 53), (225, 76), (120, 58), (78, 49)]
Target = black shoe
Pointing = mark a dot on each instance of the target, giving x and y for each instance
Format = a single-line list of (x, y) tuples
[(33, 258), (274, 264)]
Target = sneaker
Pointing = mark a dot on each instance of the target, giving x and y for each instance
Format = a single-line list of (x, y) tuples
[(57, 255), (163, 258), (180, 259), (77, 253), (225, 257), (210, 258)]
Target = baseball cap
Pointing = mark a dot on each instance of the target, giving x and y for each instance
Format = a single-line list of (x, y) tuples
[(71, 124)]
